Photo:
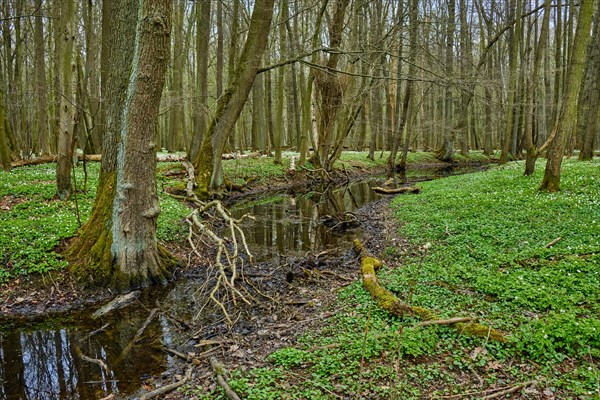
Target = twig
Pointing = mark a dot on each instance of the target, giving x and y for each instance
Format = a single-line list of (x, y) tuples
[(509, 390), (220, 371), (96, 361), (495, 392), (448, 321), (552, 243), (179, 354), (168, 388), (139, 333)]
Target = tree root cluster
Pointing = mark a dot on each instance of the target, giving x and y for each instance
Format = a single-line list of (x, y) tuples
[(389, 302), (228, 261)]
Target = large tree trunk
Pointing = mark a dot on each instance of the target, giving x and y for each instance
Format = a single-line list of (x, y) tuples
[(565, 123), (118, 243), (208, 163), (134, 250)]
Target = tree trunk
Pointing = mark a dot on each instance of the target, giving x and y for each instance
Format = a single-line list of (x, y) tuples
[(65, 131), (201, 111), (135, 210), (446, 151), (512, 84), (208, 163), (589, 116), (566, 120), (40, 77), (532, 152), (5, 156)]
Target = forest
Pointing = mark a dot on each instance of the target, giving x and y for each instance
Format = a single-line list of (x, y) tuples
[(299, 199)]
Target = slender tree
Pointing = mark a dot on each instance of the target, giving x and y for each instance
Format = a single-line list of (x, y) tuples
[(208, 163), (565, 122)]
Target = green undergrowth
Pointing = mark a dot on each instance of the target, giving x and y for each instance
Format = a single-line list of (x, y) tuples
[(33, 222), (478, 249)]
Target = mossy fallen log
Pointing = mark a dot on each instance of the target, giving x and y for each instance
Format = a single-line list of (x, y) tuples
[(407, 189), (389, 302)]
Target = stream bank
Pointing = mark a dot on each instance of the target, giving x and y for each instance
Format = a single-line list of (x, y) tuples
[(301, 263)]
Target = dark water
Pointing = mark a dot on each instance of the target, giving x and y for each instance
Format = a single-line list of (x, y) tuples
[(51, 359)]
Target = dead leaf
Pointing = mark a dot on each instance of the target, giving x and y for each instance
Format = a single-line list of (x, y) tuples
[(477, 351)]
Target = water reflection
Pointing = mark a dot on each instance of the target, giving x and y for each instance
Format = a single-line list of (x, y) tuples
[(295, 225), (71, 363)]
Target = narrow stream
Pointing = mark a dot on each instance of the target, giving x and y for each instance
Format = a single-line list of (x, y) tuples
[(77, 357)]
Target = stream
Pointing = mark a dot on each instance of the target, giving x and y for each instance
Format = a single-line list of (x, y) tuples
[(77, 357)]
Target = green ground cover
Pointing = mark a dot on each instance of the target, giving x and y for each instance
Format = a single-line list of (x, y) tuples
[(478, 249), (33, 222)]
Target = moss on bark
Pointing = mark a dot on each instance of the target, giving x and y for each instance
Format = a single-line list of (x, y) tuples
[(386, 300), (89, 253)]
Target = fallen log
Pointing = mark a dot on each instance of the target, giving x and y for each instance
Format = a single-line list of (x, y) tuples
[(401, 190), (117, 303), (167, 388), (89, 157), (389, 302)]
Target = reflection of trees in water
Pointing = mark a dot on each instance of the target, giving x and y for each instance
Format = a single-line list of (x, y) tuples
[(295, 224), (47, 364)]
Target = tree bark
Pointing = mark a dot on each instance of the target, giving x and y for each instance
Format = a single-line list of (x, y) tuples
[(135, 209), (201, 109), (208, 163), (566, 118), (65, 131)]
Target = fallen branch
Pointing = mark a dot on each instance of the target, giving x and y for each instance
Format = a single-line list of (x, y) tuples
[(88, 157), (509, 390), (389, 302), (96, 361), (117, 303), (220, 372), (449, 321), (401, 190), (552, 243), (138, 334), (167, 388)]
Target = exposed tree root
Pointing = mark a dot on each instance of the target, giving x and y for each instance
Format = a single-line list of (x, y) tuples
[(228, 257), (401, 190), (389, 302)]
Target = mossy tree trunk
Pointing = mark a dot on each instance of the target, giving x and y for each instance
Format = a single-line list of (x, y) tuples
[(208, 163), (117, 245), (565, 123), (135, 209)]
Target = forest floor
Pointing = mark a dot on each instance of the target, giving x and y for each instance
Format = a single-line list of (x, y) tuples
[(478, 245), (35, 225), (487, 246)]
